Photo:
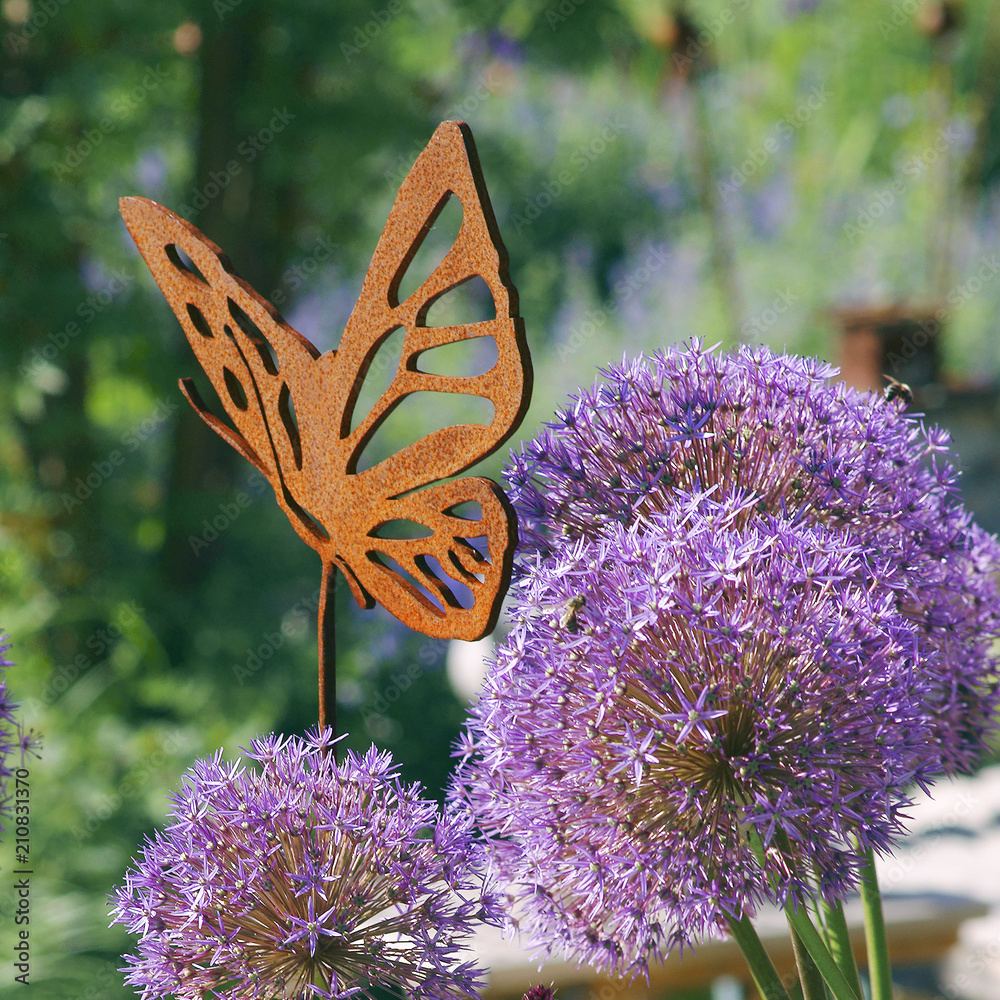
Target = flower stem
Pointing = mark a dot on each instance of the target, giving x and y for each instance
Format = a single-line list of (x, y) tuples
[(879, 971), (800, 923), (820, 954), (765, 976), (809, 978), (838, 937)]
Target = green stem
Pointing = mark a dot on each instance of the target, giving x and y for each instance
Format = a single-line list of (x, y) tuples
[(838, 937), (808, 935), (820, 954), (765, 976), (809, 978), (879, 970)]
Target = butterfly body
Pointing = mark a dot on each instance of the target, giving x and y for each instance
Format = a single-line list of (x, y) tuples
[(291, 410)]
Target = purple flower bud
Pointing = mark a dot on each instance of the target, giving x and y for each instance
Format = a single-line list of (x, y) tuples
[(539, 992)]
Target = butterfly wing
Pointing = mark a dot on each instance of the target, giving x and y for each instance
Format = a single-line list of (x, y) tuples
[(408, 485), (255, 361), (427, 582), (291, 408)]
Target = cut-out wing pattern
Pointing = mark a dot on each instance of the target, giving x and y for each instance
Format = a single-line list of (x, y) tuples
[(291, 409)]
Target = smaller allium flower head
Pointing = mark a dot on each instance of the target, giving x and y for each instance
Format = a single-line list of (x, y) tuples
[(16, 743), (303, 877)]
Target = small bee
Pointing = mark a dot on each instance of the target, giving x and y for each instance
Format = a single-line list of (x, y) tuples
[(898, 390), (567, 620)]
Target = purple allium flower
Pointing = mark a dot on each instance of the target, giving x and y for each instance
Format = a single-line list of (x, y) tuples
[(16, 743), (811, 451), (748, 599), (539, 992), (303, 877)]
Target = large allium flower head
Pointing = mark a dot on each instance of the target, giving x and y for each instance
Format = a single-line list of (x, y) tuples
[(303, 877), (715, 679), (16, 743), (815, 451), (748, 601)]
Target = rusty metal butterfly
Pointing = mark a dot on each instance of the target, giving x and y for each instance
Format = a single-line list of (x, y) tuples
[(292, 408)]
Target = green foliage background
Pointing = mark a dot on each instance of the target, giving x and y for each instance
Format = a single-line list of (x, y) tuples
[(134, 643)]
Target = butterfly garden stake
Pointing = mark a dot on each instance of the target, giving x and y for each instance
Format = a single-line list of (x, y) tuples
[(292, 409)]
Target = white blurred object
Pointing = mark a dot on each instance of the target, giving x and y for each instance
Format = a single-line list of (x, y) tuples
[(727, 988), (954, 849), (467, 665), (972, 968)]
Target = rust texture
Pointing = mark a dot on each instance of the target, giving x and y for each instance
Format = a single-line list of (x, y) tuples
[(290, 408)]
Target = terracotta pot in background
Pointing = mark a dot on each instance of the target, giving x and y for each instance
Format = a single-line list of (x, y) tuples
[(901, 341)]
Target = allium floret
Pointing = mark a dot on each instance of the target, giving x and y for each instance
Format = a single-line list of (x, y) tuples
[(748, 600), (304, 877)]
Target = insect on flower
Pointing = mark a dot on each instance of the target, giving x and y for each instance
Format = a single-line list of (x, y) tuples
[(897, 390), (567, 620)]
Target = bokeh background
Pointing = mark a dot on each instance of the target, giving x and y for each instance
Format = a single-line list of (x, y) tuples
[(786, 172)]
